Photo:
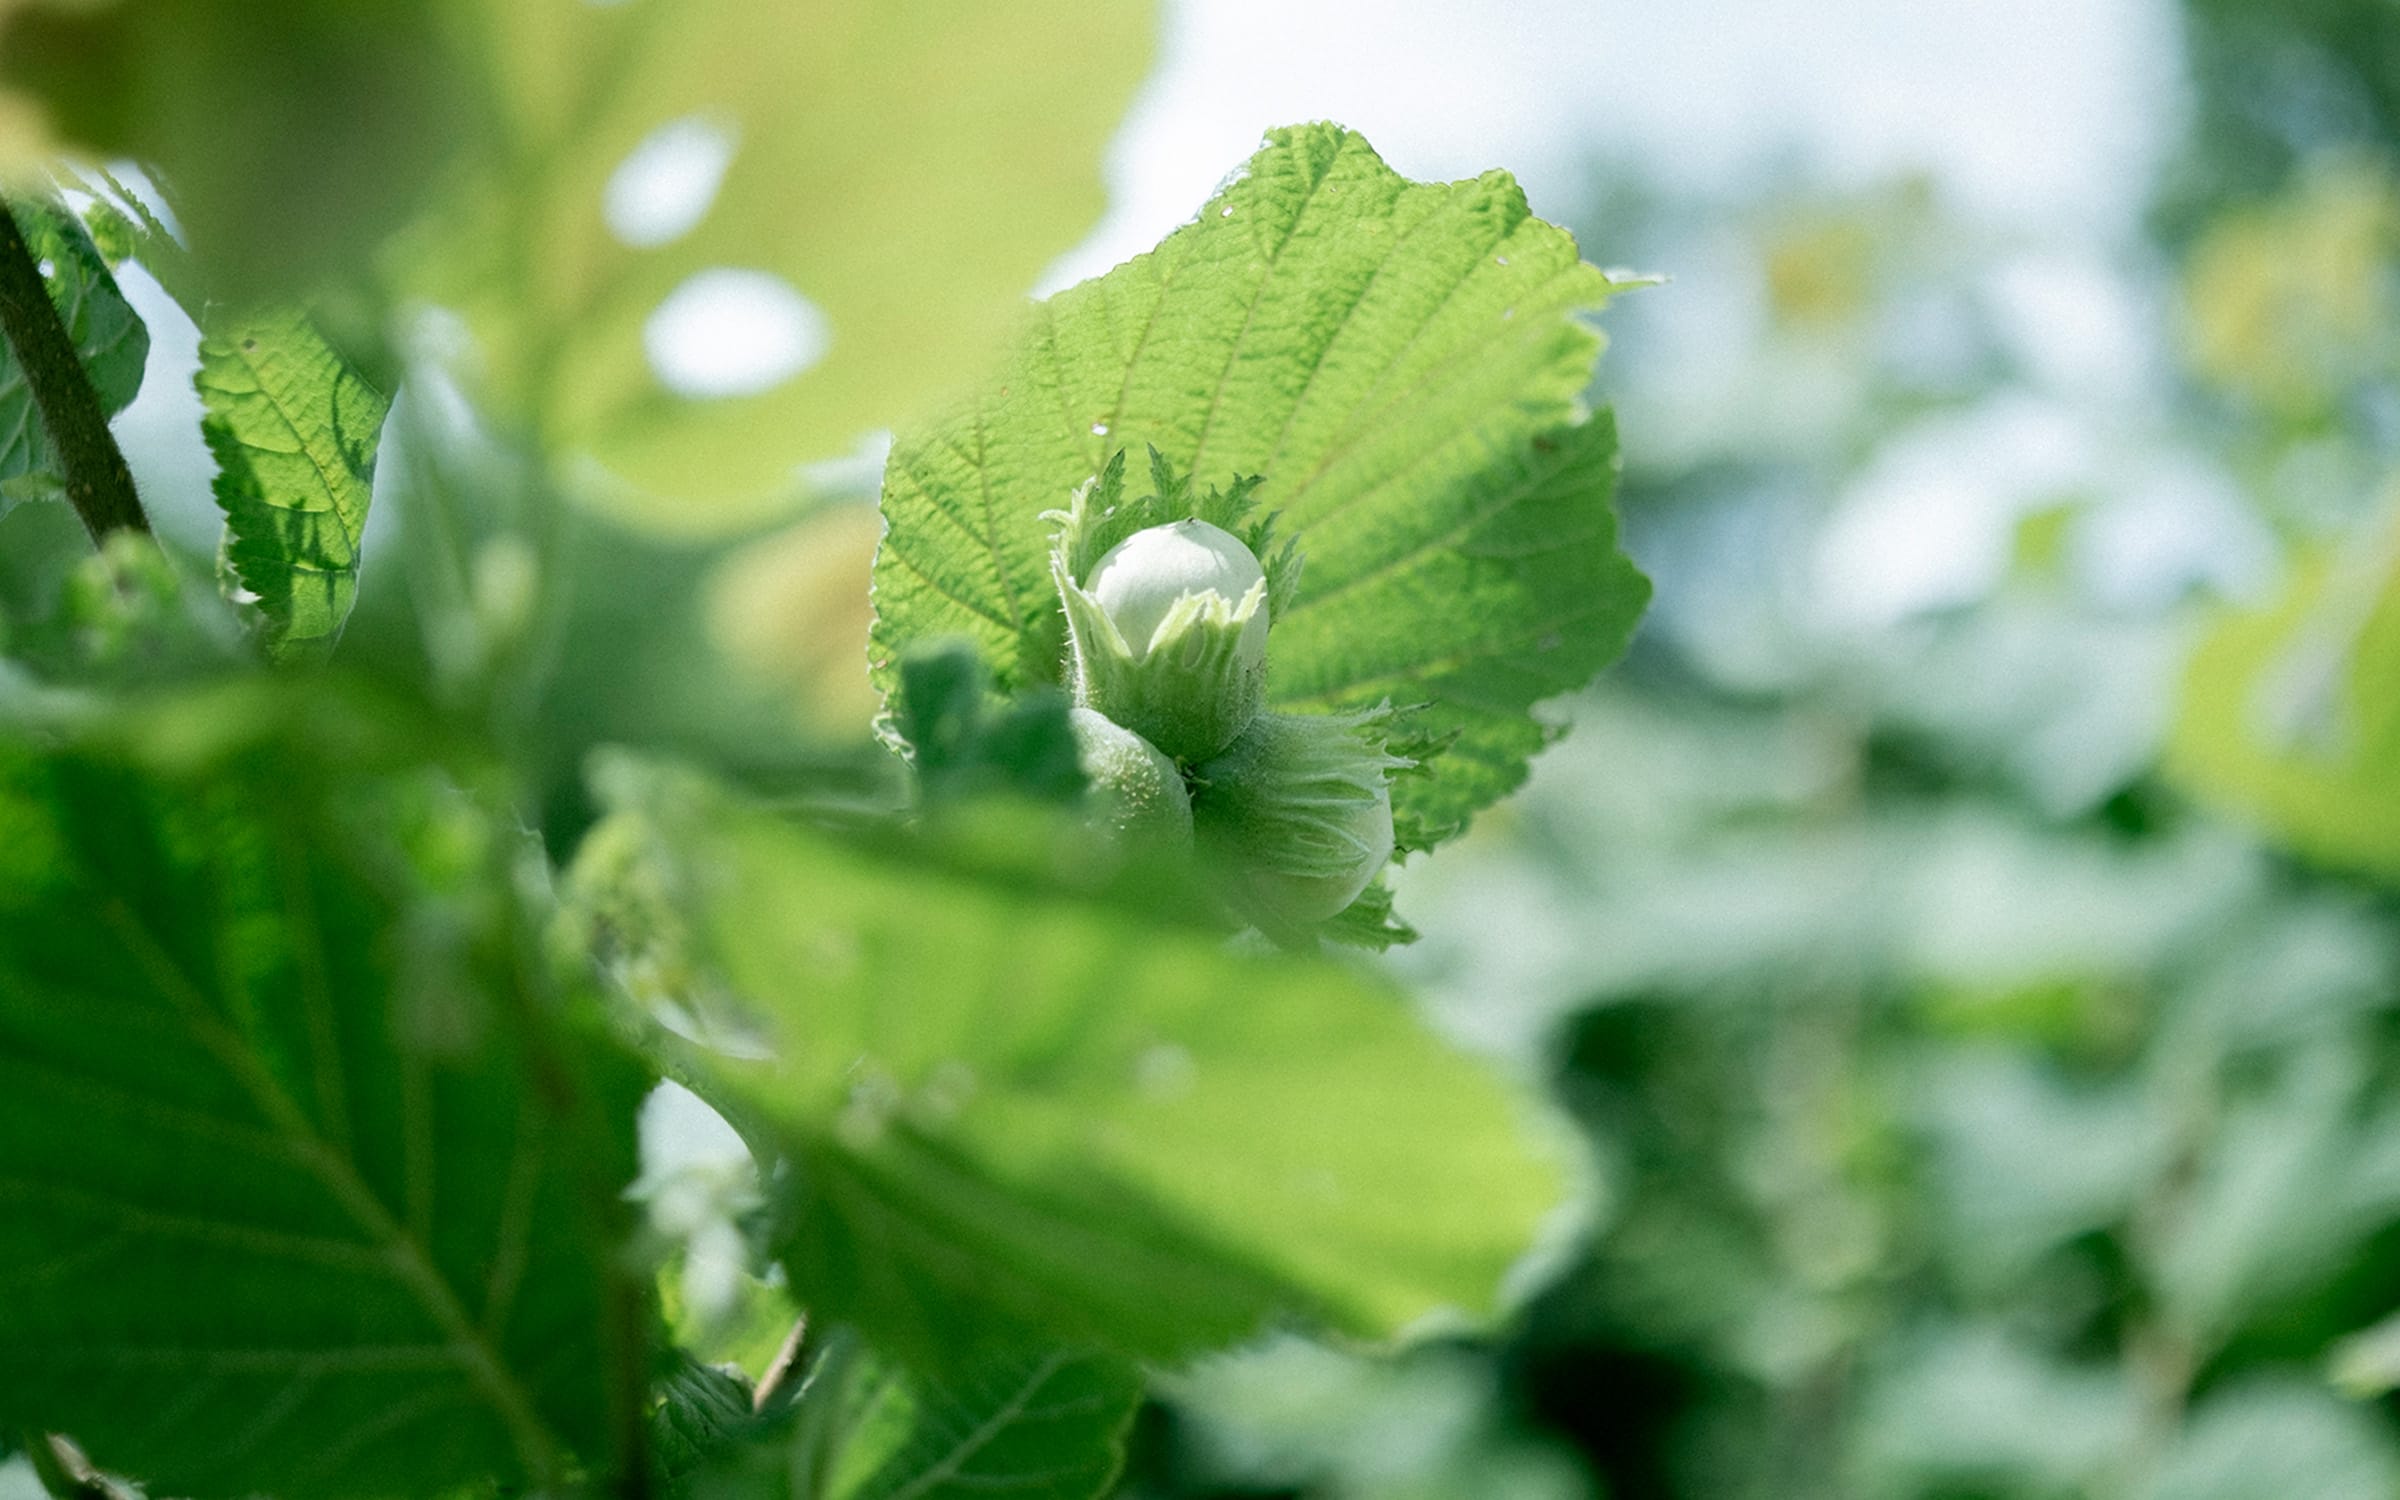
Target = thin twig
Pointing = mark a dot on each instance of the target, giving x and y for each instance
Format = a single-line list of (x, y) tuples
[(64, 1472), (99, 485), (779, 1369)]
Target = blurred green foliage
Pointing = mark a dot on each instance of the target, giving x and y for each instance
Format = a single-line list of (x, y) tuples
[(1977, 1010), (1978, 1004)]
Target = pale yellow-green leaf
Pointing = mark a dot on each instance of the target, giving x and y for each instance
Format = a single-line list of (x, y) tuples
[(1022, 1116), (908, 166), (2291, 712)]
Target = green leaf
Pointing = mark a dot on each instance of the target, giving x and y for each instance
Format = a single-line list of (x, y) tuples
[(309, 1185), (1047, 1426), (1968, 1410), (1020, 1117), (909, 168), (2294, 1185), (294, 430), (2266, 1438), (125, 613), (1369, 922), (1290, 1417), (702, 1411), (1402, 365), (107, 334), (964, 745), (1044, 1425), (2291, 711)]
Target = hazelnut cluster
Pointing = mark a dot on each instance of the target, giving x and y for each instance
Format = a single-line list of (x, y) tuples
[(1170, 617)]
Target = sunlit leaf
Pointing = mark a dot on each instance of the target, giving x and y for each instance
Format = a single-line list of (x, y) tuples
[(1403, 363), (2291, 711), (1018, 1116), (1043, 1425), (294, 431)]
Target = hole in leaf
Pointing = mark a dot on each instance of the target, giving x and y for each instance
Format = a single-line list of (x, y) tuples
[(663, 188), (728, 332)]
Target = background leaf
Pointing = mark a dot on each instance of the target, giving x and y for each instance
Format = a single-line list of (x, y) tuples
[(107, 333), (303, 1187), (293, 135), (964, 745), (294, 430), (1019, 1117), (1402, 362), (913, 232), (1044, 1425), (2291, 710), (2267, 1438), (701, 1410)]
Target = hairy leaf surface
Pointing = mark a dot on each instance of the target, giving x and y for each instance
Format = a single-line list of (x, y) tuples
[(107, 333), (1021, 1117), (1402, 363), (303, 1190), (294, 430)]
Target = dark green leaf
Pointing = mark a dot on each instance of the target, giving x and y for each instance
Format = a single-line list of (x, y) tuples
[(308, 1183), (702, 1412), (964, 743)]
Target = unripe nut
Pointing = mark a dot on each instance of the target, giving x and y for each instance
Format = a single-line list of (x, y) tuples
[(1134, 789), (1299, 808), (1142, 577), (1168, 635), (1300, 899)]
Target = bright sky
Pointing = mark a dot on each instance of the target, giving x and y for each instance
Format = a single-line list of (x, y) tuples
[(2045, 114)]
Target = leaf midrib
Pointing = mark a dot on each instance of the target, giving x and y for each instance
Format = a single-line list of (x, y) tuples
[(409, 1259)]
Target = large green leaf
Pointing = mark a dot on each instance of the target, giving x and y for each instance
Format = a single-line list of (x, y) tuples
[(1041, 1425), (1020, 1116), (908, 166), (294, 429), (1402, 362), (307, 1185), (107, 333)]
